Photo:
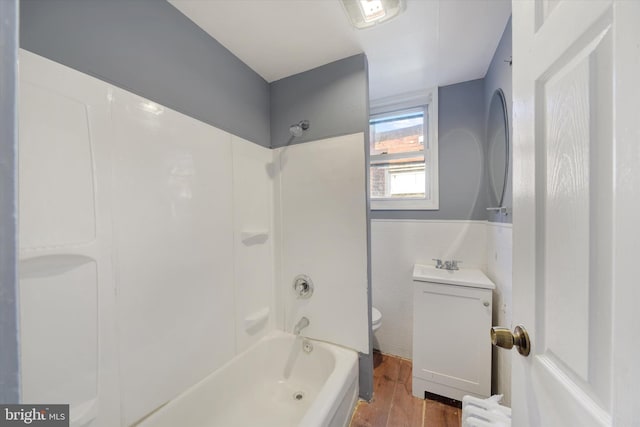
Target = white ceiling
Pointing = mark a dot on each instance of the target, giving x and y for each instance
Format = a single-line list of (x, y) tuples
[(433, 43)]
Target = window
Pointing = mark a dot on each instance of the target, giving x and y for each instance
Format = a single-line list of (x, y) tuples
[(403, 154)]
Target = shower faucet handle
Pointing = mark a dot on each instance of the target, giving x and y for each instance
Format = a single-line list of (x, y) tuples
[(303, 286), (438, 262)]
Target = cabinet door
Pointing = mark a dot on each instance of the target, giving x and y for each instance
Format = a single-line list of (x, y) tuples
[(451, 345)]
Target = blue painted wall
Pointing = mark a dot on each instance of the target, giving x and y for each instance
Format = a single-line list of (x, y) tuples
[(461, 135), (9, 332), (150, 48), (332, 97)]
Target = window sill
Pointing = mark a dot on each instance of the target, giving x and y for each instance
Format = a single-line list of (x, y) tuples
[(404, 205)]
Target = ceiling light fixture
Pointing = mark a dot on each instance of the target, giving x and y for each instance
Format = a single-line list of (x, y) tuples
[(367, 13)]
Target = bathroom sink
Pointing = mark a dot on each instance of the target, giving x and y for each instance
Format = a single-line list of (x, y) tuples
[(471, 277)]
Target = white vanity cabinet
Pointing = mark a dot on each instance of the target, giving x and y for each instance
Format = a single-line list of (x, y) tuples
[(451, 324)]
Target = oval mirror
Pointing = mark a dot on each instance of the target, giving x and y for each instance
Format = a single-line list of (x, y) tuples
[(498, 148)]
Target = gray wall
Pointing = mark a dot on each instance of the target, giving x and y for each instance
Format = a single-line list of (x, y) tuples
[(332, 97), (461, 136), (9, 345), (499, 77), (150, 48)]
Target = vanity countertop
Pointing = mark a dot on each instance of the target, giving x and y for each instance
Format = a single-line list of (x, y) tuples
[(471, 277)]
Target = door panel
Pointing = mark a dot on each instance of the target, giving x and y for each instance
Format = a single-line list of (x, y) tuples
[(567, 58), (576, 151)]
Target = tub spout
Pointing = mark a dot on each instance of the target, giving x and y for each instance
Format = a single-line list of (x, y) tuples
[(302, 323)]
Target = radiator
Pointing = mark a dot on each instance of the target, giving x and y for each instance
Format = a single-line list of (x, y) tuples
[(485, 412)]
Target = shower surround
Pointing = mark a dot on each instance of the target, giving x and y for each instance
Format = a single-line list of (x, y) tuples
[(153, 246)]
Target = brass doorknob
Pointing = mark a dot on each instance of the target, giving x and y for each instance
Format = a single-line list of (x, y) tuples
[(504, 338)]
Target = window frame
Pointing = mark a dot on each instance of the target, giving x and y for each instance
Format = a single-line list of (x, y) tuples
[(429, 101)]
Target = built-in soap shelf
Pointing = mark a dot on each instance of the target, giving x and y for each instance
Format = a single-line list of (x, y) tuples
[(51, 265), (254, 237), (256, 320), (501, 210)]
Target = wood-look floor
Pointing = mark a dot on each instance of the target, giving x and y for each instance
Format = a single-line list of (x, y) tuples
[(393, 405)]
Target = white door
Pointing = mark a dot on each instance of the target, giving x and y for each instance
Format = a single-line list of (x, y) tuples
[(576, 235)]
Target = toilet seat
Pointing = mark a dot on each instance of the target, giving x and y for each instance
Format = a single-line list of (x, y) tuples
[(376, 318)]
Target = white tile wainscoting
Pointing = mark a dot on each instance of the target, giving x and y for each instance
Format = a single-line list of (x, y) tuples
[(499, 259)]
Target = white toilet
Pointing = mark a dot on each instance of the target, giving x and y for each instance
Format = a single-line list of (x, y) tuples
[(376, 319)]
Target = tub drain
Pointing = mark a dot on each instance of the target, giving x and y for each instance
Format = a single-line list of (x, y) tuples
[(307, 346), (298, 395)]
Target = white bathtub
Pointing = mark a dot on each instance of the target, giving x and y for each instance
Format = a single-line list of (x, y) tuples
[(261, 387)]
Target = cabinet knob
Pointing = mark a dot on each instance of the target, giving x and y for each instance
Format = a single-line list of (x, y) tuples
[(486, 303)]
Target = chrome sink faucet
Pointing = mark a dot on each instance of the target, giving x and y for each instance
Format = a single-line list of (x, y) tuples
[(451, 265), (302, 323), (447, 265)]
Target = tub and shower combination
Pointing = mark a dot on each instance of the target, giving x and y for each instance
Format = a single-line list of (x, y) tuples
[(283, 380), (102, 241)]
